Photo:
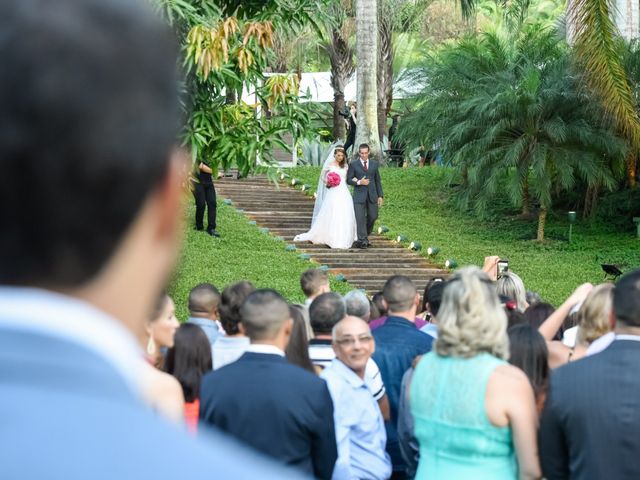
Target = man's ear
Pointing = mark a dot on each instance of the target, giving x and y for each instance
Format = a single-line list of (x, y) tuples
[(612, 318), (241, 329)]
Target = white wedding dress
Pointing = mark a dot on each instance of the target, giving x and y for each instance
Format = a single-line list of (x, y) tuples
[(335, 223)]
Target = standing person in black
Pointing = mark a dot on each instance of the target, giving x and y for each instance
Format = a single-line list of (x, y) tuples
[(351, 136), (204, 193)]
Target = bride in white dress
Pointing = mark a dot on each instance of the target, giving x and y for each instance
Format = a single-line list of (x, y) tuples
[(334, 219)]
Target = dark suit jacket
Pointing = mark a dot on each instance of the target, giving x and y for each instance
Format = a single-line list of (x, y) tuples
[(365, 193), (276, 407), (398, 342), (590, 426)]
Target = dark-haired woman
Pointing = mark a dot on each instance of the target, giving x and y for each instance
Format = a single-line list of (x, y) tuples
[(297, 351), (188, 360), (528, 352)]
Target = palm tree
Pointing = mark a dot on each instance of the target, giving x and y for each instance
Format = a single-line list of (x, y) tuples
[(511, 118), (366, 54)]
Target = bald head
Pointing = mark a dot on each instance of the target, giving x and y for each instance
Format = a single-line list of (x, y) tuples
[(353, 343), (346, 325)]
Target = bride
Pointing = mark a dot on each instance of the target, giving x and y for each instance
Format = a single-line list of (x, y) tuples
[(334, 220)]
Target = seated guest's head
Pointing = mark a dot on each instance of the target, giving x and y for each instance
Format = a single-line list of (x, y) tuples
[(434, 299), (204, 300), (89, 121), (514, 317), (471, 319), (401, 297), (358, 304), (528, 352), (594, 316), (161, 328), (537, 313), (232, 299), (266, 318), (511, 286), (433, 281), (626, 302), (325, 311), (189, 359), (353, 343), (297, 351), (380, 309), (314, 282)]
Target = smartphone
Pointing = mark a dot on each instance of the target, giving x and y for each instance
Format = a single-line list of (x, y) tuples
[(503, 267)]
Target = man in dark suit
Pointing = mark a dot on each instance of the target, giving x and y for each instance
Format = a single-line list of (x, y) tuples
[(590, 426), (268, 403), (204, 193), (398, 343), (364, 175)]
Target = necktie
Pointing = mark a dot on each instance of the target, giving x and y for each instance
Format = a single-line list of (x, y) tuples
[(365, 165)]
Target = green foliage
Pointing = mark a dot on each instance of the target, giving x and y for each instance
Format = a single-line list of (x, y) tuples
[(509, 116), (418, 204), (243, 252), (226, 48)]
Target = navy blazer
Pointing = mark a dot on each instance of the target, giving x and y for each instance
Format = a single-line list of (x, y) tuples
[(65, 413), (398, 343), (276, 407), (365, 193), (590, 427)]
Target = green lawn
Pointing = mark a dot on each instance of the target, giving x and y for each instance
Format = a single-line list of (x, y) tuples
[(417, 205), (242, 253)]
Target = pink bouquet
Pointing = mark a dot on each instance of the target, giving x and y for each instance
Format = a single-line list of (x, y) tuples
[(333, 179)]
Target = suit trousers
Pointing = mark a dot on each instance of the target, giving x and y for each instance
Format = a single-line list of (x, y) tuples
[(366, 215), (205, 195)]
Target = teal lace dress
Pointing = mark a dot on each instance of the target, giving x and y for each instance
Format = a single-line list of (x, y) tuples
[(457, 440)]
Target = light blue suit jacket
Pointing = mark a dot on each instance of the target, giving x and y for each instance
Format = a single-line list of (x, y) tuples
[(65, 413)]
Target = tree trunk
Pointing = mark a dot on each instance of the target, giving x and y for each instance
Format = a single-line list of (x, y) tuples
[(366, 53), (631, 169), (590, 200), (385, 70), (342, 67), (526, 204), (542, 219)]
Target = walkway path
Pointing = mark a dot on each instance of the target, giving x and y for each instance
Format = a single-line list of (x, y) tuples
[(287, 212)]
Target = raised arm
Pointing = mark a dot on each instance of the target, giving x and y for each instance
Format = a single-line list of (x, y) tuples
[(551, 325)]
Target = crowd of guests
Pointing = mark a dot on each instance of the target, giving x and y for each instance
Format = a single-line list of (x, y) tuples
[(447, 384), (98, 379)]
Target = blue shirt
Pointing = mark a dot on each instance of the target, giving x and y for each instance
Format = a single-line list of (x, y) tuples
[(430, 329), (360, 431), (209, 326), (398, 343)]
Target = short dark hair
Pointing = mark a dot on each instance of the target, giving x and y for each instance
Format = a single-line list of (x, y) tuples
[(232, 299), (380, 308), (89, 115), (434, 297), (528, 352), (399, 292), (263, 313), (626, 299), (537, 313), (325, 311), (189, 359), (203, 298), (311, 280), (364, 145)]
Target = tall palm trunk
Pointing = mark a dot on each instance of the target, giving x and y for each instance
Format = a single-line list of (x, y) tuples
[(542, 220), (526, 204), (342, 67), (385, 71), (631, 169), (366, 54)]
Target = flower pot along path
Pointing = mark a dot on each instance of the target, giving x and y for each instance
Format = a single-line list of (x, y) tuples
[(287, 212)]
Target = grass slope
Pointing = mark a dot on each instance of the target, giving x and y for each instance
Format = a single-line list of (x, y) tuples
[(242, 253), (417, 205)]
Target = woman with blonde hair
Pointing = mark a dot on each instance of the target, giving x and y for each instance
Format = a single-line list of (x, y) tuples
[(510, 285), (475, 415), (594, 322)]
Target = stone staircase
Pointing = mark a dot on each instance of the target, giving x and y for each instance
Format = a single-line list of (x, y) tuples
[(287, 212)]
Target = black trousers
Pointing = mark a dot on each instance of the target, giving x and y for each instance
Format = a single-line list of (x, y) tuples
[(366, 215), (205, 195)]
